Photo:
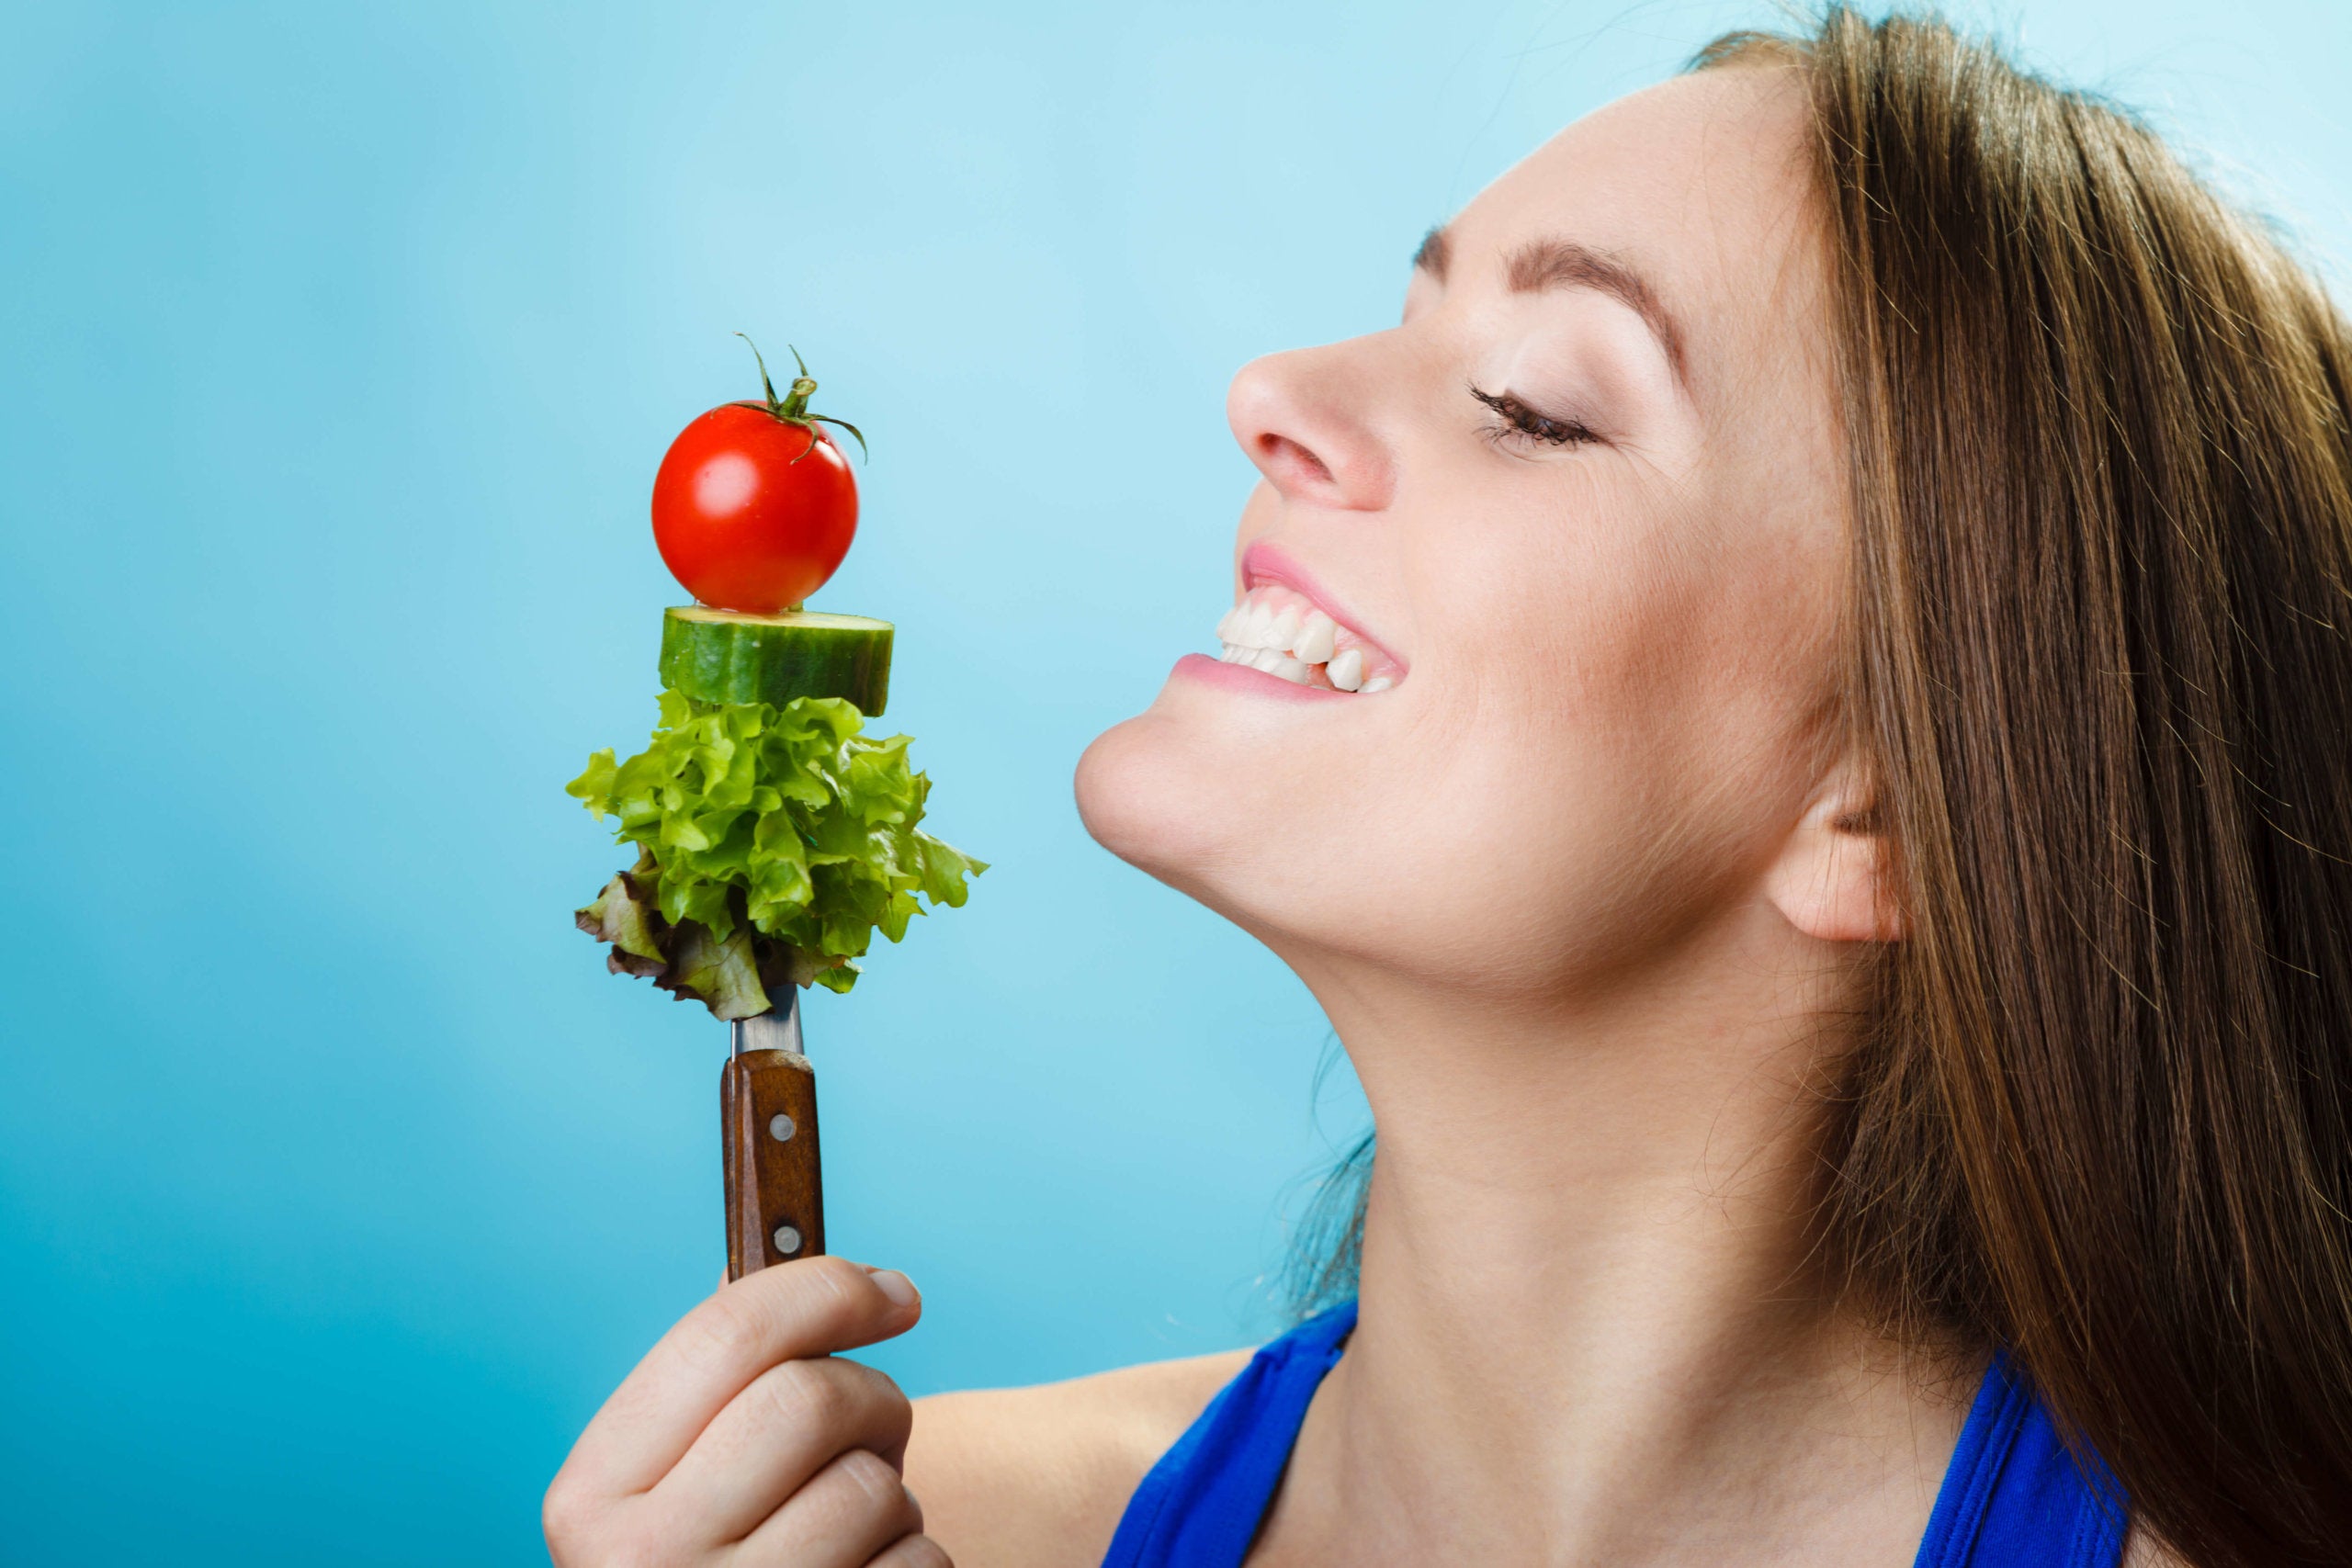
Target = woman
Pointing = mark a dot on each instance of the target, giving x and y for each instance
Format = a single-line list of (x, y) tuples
[(1836, 874)]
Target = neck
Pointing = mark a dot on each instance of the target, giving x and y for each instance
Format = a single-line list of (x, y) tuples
[(1595, 1324)]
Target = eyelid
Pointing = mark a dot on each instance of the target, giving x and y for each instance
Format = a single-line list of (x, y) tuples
[(1514, 415)]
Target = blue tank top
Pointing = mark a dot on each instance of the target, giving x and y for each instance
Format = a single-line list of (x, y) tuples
[(2012, 1497)]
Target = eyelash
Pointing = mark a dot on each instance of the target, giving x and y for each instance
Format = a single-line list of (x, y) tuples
[(1520, 421)]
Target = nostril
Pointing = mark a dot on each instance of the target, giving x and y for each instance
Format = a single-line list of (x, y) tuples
[(1301, 460)]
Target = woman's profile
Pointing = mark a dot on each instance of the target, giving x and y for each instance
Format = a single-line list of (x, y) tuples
[(1792, 715)]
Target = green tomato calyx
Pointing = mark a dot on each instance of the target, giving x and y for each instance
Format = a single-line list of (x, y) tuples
[(792, 407)]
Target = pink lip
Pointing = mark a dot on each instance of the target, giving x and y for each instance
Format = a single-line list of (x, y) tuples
[(1242, 678), (1265, 561)]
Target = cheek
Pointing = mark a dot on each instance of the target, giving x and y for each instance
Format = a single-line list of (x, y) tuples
[(1623, 749)]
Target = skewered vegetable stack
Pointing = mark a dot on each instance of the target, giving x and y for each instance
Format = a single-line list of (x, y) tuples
[(774, 836)]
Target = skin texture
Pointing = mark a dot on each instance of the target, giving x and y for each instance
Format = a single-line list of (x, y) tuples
[(1596, 841)]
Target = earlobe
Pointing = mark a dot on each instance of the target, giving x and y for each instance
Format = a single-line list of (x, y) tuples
[(1835, 879)]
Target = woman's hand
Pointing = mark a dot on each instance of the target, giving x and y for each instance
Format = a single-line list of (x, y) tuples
[(741, 1439)]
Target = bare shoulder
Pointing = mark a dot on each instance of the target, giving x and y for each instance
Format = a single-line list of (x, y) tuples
[(1038, 1476), (2144, 1551)]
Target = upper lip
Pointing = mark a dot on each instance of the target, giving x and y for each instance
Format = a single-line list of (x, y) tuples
[(1265, 561)]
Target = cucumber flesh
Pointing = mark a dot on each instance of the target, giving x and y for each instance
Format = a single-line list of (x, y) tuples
[(725, 656)]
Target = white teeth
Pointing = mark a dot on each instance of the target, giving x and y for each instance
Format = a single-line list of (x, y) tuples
[(1291, 642), (1272, 662), (1313, 644)]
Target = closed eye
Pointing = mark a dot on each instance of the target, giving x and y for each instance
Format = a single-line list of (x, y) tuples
[(1515, 420)]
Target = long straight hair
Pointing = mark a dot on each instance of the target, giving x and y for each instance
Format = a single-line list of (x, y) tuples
[(2100, 651)]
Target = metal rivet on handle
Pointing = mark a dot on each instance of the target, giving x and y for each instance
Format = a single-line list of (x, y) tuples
[(788, 1240), (780, 1128)]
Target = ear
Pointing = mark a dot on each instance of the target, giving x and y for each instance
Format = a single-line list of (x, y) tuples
[(1834, 878)]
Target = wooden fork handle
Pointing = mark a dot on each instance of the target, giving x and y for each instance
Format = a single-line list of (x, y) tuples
[(775, 1195)]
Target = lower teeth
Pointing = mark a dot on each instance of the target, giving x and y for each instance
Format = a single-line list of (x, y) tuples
[(1348, 666)]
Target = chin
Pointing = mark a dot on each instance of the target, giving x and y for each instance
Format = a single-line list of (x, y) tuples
[(1212, 791), (1146, 801), (1218, 799)]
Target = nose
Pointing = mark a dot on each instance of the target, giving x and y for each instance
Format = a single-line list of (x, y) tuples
[(1303, 418)]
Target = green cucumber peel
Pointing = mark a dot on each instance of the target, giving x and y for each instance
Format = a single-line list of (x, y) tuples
[(732, 656), (773, 842)]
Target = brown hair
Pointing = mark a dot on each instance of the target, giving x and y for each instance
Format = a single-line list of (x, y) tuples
[(2100, 654)]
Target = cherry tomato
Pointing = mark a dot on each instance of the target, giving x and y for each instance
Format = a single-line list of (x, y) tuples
[(755, 506)]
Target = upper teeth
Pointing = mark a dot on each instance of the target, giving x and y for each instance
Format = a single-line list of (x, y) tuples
[(1275, 631), (1315, 638)]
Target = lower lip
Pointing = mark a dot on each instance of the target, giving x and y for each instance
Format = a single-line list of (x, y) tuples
[(1243, 678)]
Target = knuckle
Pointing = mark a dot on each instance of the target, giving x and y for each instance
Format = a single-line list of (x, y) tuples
[(735, 1316), (804, 1394), (723, 1330), (838, 1290), (878, 1385), (877, 1392), (565, 1515), (874, 1385), (871, 1474)]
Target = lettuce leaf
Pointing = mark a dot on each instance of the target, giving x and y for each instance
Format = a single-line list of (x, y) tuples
[(773, 842)]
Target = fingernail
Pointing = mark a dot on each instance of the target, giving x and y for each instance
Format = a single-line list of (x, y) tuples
[(895, 1285)]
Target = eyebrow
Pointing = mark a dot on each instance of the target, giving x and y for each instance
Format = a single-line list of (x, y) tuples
[(1567, 264)]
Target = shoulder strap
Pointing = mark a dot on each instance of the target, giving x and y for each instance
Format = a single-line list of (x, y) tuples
[(2013, 1495), (1201, 1505)]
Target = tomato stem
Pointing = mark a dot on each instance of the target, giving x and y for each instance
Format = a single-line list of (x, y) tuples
[(792, 407), (796, 405)]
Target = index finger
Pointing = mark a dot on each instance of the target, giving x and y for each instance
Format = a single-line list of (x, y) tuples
[(806, 1308)]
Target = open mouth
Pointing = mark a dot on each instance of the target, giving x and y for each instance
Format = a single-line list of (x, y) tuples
[(1283, 632)]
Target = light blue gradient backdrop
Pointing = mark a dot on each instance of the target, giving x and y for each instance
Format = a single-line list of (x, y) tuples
[(338, 1182)]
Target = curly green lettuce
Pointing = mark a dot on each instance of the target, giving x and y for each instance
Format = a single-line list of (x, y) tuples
[(773, 842)]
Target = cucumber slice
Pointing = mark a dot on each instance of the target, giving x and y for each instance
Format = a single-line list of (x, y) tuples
[(724, 656)]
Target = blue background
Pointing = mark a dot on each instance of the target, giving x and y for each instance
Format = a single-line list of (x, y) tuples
[(338, 1182)]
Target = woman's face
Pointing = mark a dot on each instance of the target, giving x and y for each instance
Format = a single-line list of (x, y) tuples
[(1577, 523)]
